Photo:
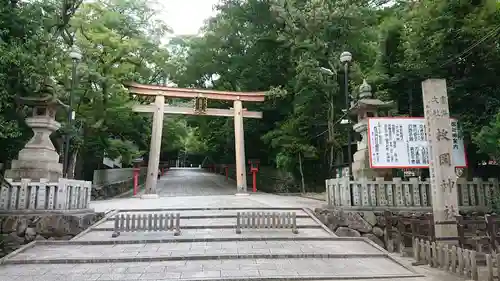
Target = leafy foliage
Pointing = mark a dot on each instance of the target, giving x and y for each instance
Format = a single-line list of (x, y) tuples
[(250, 45), (278, 46), (488, 139)]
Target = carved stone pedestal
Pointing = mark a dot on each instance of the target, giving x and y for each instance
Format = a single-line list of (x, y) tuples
[(367, 107), (39, 159)]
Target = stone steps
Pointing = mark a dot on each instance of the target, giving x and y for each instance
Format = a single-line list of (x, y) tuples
[(379, 268), (196, 223), (208, 249), (81, 253), (208, 216), (202, 233), (127, 258), (181, 239), (210, 212)]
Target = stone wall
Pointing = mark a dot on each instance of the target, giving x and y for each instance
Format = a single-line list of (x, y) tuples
[(113, 190), (107, 177), (373, 225), (367, 224), (269, 179), (110, 183), (17, 230)]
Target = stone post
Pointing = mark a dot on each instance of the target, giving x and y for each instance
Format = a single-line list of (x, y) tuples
[(154, 151), (239, 141), (442, 172)]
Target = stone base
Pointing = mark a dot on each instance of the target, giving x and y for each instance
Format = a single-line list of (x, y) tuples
[(361, 167), (242, 194), (34, 170), (30, 153), (150, 196)]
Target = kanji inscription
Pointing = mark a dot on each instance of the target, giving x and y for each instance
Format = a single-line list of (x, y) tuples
[(440, 135)]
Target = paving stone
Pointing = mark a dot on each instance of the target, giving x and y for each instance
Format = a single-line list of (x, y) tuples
[(160, 276), (201, 274), (278, 273), (202, 233), (240, 273), (243, 248), (120, 277)]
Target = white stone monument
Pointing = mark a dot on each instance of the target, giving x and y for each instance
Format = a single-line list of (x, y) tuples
[(442, 171), (39, 159), (367, 107)]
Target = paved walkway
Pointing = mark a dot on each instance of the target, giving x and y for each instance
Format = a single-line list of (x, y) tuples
[(208, 248)]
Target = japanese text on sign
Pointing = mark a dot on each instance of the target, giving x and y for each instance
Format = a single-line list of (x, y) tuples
[(402, 143)]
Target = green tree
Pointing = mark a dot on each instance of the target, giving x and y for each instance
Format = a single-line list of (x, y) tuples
[(30, 53), (455, 40), (120, 43), (488, 139)]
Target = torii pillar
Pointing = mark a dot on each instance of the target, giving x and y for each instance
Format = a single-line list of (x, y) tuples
[(159, 109), (155, 149), (239, 144)]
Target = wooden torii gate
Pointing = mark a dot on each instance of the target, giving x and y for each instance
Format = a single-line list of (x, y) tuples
[(158, 108)]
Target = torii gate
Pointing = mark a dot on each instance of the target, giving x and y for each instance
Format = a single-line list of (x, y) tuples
[(159, 109)]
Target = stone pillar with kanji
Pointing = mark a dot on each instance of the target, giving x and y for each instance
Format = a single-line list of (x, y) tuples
[(442, 171)]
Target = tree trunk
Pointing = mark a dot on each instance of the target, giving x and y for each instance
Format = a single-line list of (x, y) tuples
[(72, 163), (303, 187)]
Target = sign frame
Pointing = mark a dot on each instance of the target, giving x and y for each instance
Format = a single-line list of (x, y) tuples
[(403, 167)]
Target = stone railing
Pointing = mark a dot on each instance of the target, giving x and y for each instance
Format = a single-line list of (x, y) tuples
[(43, 195), (414, 194)]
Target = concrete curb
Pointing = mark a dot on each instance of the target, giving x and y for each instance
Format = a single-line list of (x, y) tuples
[(194, 240), (210, 209), (218, 217), (230, 226), (194, 258), (18, 251)]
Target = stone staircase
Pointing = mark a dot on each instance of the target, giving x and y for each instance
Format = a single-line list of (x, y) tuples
[(208, 248)]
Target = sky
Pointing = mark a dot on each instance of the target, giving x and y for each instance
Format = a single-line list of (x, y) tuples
[(186, 16)]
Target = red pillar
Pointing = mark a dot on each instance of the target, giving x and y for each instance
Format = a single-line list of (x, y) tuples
[(136, 180), (254, 179)]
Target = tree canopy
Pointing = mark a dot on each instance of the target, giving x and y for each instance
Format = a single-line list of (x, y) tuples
[(275, 46)]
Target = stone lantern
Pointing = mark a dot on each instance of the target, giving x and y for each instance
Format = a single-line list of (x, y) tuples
[(39, 159), (367, 107)]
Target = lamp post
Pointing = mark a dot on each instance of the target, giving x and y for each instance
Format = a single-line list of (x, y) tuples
[(345, 59), (332, 73), (75, 56)]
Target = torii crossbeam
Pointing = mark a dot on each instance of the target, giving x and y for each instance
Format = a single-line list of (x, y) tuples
[(200, 95)]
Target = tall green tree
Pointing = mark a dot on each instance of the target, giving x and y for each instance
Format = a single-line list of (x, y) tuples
[(120, 43)]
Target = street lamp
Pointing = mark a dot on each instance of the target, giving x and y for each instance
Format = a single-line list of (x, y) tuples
[(75, 56), (345, 59)]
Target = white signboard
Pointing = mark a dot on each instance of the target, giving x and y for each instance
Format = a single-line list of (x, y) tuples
[(402, 143)]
